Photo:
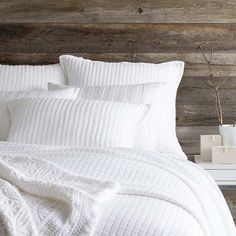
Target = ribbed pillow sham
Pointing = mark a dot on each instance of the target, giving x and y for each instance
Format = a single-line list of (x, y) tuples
[(6, 97), (82, 72), (137, 94), (82, 123), (27, 77)]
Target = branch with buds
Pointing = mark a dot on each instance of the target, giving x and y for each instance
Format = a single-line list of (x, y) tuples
[(216, 84)]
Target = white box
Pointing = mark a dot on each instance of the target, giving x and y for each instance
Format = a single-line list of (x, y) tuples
[(207, 142), (224, 154)]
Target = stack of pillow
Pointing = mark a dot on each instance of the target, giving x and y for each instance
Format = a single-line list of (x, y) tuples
[(87, 103)]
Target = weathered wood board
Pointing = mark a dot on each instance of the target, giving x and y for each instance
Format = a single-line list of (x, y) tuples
[(118, 11), (116, 38)]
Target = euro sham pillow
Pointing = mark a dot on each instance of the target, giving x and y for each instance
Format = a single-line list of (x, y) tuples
[(80, 123), (6, 97), (82, 72), (27, 77)]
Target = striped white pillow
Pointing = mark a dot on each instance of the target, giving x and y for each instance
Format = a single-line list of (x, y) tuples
[(82, 72), (77, 122), (26, 77), (138, 94), (6, 97)]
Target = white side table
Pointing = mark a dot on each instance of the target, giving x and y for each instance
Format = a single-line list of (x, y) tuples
[(223, 174), (225, 177)]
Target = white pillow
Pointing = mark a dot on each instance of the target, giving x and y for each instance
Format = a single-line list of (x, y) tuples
[(139, 94), (26, 77), (6, 97), (76, 122), (82, 72)]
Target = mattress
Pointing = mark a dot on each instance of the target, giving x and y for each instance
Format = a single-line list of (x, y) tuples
[(159, 194)]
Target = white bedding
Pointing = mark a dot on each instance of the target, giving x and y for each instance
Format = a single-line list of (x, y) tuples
[(159, 194), (39, 198)]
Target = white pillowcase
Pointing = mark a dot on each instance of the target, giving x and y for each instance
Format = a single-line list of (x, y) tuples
[(26, 77), (6, 97), (139, 94), (76, 122), (82, 72)]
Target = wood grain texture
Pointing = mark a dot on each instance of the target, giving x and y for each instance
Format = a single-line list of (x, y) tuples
[(116, 38), (122, 11), (192, 59), (194, 62), (189, 137), (197, 106)]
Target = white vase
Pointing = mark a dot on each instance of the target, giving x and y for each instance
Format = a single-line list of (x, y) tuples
[(228, 134)]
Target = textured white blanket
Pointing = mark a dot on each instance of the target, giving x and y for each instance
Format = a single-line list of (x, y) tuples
[(160, 195), (39, 198)]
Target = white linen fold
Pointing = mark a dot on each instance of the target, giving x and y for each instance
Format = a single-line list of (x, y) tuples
[(39, 198)]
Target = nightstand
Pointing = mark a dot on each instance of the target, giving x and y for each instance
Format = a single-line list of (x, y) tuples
[(223, 174), (225, 177)]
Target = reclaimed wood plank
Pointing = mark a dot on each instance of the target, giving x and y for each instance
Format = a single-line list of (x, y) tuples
[(198, 82), (122, 11), (205, 96), (196, 106), (194, 63), (190, 58), (116, 38), (188, 115)]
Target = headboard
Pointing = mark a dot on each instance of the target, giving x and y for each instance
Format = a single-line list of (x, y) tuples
[(37, 32)]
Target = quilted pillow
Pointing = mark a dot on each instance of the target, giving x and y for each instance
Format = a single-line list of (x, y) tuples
[(138, 94), (26, 77), (81, 123), (82, 72), (6, 97)]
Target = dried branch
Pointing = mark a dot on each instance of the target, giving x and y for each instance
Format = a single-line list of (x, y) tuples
[(203, 54), (227, 77), (220, 113), (207, 83), (213, 84), (212, 46)]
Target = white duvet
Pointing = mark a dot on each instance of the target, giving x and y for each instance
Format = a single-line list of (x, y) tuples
[(158, 195)]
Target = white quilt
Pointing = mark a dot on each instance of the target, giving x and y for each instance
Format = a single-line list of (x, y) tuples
[(160, 195), (38, 198)]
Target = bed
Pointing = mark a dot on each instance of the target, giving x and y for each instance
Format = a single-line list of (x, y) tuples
[(160, 196), (111, 169)]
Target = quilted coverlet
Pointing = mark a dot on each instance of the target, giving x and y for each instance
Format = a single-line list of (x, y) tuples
[(159, 195)]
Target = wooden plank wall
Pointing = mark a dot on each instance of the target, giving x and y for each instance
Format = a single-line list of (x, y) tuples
[(36, 32)]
